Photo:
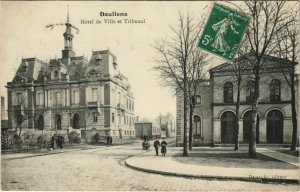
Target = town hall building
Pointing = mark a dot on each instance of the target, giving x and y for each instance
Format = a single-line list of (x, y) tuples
[(72, 93), (215, 101)]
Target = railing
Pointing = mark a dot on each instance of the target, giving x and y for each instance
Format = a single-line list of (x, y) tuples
[(121, 107), (93, 103)]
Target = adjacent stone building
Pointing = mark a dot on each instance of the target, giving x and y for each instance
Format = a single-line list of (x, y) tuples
[(214, 114), (72, 93)]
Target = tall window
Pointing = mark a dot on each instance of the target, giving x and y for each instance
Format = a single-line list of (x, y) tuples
[(40, 122), (40, 99), (95, 117), (275, 90), (228, 92), (94, 94), (57, 98), (113, 117), (19, 98), (75, 97), (250, 89), (58, 122), (76, 121), (197, 124)]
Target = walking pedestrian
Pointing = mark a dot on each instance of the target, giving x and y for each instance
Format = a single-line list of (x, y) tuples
[(164, 147), (156, 146)]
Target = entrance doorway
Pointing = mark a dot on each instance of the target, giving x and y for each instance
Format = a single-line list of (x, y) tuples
[(247, 127), (275, 127), (227, 127)]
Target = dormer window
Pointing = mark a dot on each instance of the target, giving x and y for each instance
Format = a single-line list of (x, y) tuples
[(25, 67), (98, 59), (56, 74)]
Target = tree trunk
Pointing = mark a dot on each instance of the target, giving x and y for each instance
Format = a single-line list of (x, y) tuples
[(185, 131), (191, 127), (237, 109), (20, 130), (252, 139), (185, 103), (294, 116)]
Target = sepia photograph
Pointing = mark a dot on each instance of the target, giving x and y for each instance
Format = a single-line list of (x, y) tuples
[(150, 95)]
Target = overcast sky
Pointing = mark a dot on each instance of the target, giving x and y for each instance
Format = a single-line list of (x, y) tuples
[(23, 34)]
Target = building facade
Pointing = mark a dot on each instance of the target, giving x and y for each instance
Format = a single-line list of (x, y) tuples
[(215, 105), (149, 129), (167, 124), (72, 93)]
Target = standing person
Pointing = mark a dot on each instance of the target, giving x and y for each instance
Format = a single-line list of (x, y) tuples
[(110, 139), (107, 140), (61, 141), (156, 146), (54, 141), (164, 147)]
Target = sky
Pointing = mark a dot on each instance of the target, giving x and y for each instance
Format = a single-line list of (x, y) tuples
[(24, 35)]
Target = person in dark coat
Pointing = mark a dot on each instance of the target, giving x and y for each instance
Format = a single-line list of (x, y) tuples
[(156, 146), (60, 141), (107, 140), (163, 147), (110, 139), (54, 141)]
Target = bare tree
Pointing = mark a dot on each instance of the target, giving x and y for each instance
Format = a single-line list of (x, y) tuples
[(288, 51), (179, 64), (269, 18), (238, 70), (194, 80)]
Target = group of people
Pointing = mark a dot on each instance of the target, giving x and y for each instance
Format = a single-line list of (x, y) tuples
[(163, 146), (57, 141)]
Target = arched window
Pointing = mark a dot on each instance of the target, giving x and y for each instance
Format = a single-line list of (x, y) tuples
[(250, 89), (228, 92), (275, 90), (76, 121), (40, 122), (58, 122)]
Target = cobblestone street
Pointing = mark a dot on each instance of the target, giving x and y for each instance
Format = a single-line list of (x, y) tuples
[(104, 169)]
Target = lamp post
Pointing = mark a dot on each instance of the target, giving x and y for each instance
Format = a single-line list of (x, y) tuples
[(32, 100)]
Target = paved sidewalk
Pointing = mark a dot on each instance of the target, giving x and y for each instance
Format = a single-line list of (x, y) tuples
[(169, 166), (280, 156)]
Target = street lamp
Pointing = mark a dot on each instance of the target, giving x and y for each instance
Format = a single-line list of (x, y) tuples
[(32, 99)]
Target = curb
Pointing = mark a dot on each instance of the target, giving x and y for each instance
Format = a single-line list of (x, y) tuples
[(44, 154), (216, 177), (58, 152)]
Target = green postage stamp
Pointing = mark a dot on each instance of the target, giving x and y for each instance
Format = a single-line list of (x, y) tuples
[(223, 32)]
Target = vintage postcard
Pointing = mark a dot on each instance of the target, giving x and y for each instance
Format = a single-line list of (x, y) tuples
[(149, 95)]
